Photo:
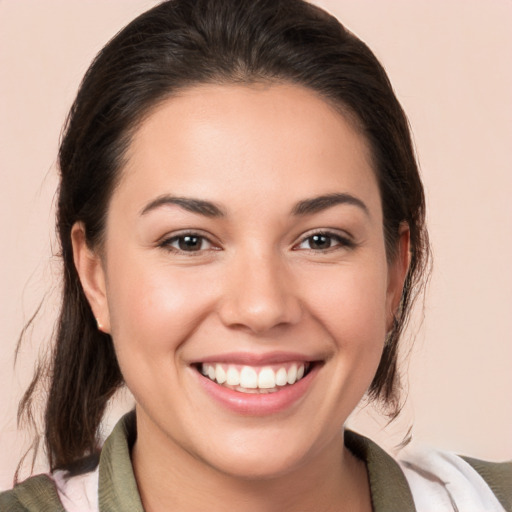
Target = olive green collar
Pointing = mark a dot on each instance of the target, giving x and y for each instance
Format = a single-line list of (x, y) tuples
[(118, 489), (388, 486)]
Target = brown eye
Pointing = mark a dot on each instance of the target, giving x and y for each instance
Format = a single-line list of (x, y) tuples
[(190, 243), (187, 243), (320, 242), (324, 242)]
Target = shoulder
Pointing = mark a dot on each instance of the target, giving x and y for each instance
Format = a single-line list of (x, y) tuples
[(108, 484), (498, 476), (56, 493), (36, 494), (422, 479), (448, 481)]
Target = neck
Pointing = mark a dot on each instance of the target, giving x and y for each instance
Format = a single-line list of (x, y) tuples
[(170, 478)]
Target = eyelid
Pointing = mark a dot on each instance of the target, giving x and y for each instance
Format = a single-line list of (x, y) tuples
[(345, 239), (165, 241)]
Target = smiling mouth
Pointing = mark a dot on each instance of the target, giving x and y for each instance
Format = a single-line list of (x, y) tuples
[(255, 379)]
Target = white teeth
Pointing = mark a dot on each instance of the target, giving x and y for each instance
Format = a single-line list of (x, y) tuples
[(282, 377), (220, 374), (267, 379), (248, 378), (292, 374), (251, 379), (233, 376)]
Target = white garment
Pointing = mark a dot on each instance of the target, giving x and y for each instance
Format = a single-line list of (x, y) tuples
[(78, 493), (443, 482)]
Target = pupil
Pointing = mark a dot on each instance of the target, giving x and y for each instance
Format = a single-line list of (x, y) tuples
[(189, 243), (320, 242)]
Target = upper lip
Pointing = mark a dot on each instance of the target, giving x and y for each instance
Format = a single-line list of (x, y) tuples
[(251, 359)]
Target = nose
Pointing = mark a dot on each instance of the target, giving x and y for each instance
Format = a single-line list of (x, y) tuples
[(259, 294)]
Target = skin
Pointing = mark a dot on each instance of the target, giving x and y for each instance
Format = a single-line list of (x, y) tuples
[(257, 284)]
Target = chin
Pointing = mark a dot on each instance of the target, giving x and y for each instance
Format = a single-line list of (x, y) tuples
[(261, 457), (257, 466)]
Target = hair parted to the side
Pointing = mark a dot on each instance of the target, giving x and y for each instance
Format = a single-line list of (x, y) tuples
[(178, 44)]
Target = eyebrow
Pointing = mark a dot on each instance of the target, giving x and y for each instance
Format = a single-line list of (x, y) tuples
[(320, 203), (206, 208), (210, 209)]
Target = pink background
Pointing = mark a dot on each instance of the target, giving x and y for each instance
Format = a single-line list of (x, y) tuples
[(450, 64)]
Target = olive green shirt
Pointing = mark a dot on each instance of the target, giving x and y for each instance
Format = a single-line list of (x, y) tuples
[(117, 489)]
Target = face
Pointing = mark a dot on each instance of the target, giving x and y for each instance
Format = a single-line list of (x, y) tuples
[(244, 277)]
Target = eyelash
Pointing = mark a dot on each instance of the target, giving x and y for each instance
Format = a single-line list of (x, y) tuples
[(167, 243), (341, 242)]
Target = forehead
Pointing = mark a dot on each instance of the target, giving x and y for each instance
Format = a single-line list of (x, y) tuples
[(223, 141)]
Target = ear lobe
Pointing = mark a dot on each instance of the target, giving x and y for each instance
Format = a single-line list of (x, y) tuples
[(92, 276), (398, 272)]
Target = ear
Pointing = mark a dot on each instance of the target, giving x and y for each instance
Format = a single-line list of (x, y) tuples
[(90, 269), (397, 272)]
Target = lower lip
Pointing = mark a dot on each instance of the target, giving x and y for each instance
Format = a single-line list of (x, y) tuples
[(258, 404)]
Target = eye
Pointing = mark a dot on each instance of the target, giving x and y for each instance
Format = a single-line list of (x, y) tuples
[(324, 241), (187, 242)]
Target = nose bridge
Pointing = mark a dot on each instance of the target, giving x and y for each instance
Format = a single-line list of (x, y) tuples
[(259, 292)]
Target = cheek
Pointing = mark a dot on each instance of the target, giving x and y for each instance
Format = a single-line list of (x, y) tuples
[(350, 302), (153, 310), (349, 305), (154, 307)]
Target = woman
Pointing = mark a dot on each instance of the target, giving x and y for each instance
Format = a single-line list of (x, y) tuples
[(242, 228)]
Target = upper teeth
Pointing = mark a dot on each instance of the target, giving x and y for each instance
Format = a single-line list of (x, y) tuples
[(249, 377)]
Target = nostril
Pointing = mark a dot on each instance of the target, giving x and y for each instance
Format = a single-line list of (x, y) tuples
[(259, 316), (258, 295)]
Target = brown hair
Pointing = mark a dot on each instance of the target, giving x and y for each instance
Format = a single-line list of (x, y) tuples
[(177, 44)]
